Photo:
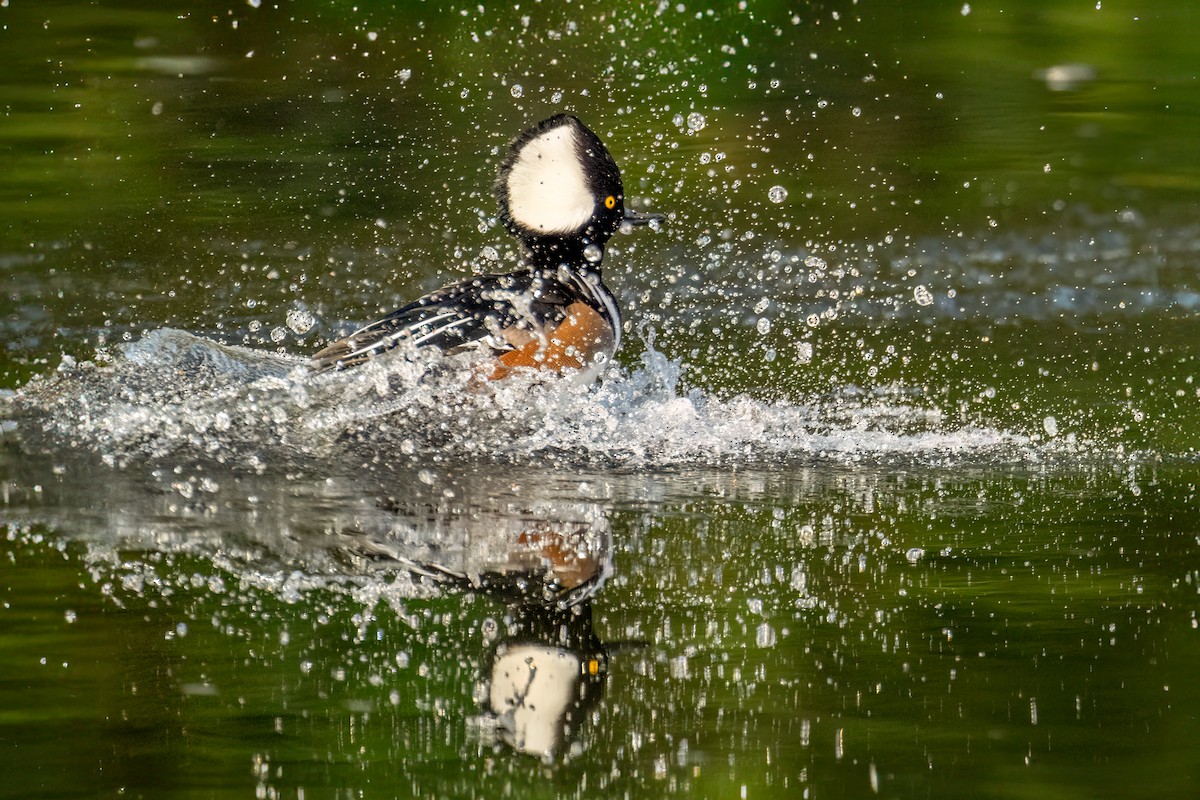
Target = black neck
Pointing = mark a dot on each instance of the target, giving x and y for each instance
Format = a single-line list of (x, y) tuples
[(551, 252)]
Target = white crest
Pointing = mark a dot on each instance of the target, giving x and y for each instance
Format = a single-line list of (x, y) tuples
[(547, 188)]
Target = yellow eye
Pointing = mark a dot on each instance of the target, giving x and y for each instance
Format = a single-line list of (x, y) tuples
[(610, 202)]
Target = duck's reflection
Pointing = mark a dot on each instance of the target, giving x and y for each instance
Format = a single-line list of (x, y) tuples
[(544, 669), (526, 541), (557, 554)]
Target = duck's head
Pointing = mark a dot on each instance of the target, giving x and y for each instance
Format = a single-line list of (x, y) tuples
[(560, 193)]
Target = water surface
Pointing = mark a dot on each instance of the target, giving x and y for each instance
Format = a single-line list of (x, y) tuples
[(892, 491)]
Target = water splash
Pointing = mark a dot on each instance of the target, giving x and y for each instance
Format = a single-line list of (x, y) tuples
[(175, 395)]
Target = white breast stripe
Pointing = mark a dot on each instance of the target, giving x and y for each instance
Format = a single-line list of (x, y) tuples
[(614, 314), (599, 293)]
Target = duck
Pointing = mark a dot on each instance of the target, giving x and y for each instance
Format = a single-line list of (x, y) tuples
[(560, 194)]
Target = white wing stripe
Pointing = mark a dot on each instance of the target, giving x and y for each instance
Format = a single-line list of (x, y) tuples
[(442, 329), (386, 342), (403, 331)]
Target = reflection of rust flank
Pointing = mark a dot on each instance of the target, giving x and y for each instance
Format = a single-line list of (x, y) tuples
[(570, 568), (573, 344)]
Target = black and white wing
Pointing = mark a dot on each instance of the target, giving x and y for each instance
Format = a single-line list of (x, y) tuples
[(486, 309)]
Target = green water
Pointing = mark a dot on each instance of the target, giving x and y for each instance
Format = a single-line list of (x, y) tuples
[(894, 493)]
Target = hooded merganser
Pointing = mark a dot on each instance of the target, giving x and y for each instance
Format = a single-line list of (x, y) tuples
[(560, 194)]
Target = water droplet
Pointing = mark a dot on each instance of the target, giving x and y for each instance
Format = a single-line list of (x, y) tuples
[(593, 253), (777, 194), (517, 90), (679, 667), (1050, 426), (922, 295), (765, 635), (914, 555), (696, 121), (299, 321), (764, 326)]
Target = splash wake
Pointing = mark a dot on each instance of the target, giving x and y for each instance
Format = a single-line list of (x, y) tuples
[(176, 395)]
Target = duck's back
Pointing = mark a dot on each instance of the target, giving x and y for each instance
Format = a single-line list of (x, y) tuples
[(557, 321)]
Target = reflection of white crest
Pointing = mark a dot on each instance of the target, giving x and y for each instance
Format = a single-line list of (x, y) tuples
[(532, 688), (543, 680)]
